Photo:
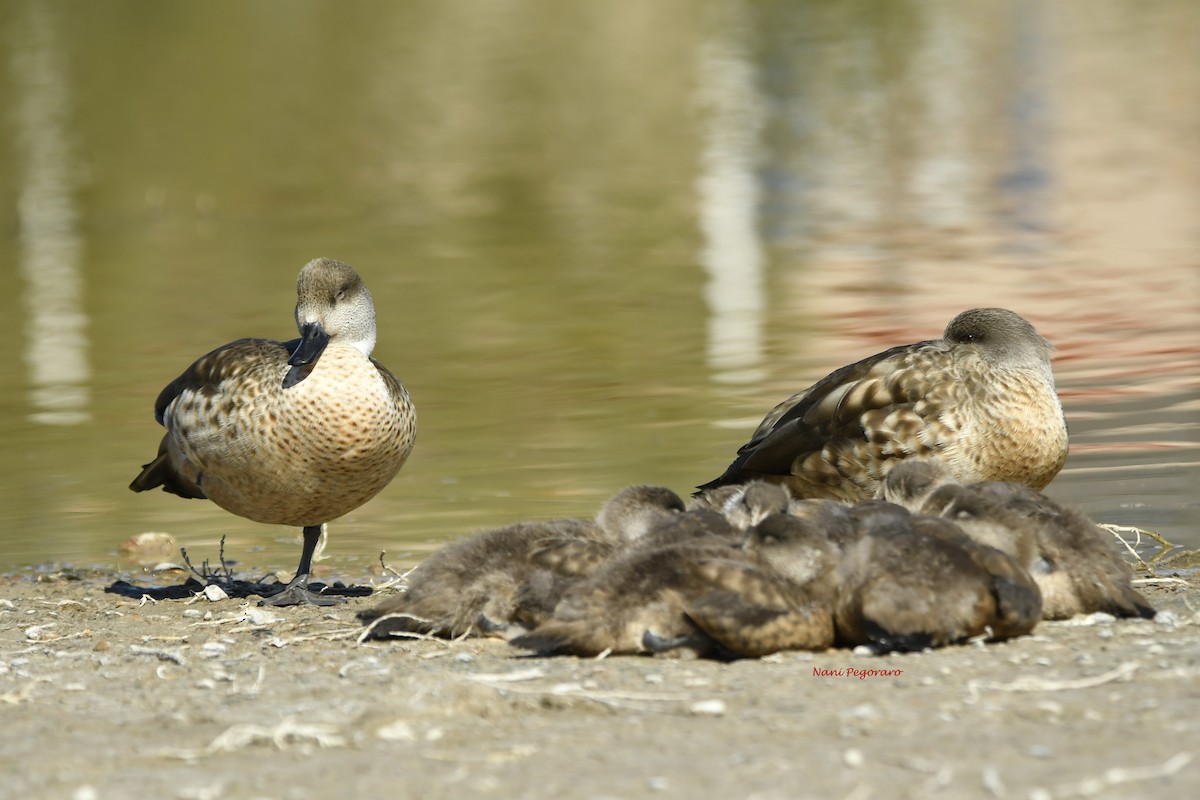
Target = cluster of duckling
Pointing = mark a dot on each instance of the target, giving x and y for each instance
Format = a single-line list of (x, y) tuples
[(745, 571)]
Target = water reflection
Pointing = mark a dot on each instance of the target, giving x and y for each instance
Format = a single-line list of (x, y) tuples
[(51, 247), (729, 199)]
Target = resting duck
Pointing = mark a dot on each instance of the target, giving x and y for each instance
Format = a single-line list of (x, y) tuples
[(981, 399)]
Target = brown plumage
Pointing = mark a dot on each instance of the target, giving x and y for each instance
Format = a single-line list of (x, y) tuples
[(1075, 564), (481, 585), (505, 581), (1078, 565), (981, 399), (628, 518), (631, 604), (744, 505), (909, 582), (705, 597), (291, 433)]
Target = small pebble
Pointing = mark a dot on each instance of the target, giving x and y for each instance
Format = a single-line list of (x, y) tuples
[(708, 708), (862, 711), (215, 593), (1167, 618), (193, 613), (853, 758), (991, 781), (1050, 707), (36, 632), (261, 616), (398, 731)]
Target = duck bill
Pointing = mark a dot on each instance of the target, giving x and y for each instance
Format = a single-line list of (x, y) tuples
[(313, 340)]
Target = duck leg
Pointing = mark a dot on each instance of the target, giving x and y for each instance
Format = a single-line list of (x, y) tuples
[(297, 591)]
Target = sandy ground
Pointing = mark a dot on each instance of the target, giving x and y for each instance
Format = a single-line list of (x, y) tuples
[(103, 697)]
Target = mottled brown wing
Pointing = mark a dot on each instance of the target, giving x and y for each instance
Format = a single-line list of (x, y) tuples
[(203, 376), (571, 557), (753, 615), (832, 410), (207, 372)]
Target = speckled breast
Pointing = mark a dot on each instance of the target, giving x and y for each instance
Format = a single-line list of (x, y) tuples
[(1012, 429), (303, 455)]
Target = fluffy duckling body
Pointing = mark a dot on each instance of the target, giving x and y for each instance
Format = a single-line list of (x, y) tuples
[(483, 584), (706, 598), (1075, 564), (1078, 565), (632, 603), (908, 583), (494, 583), (744, 505)]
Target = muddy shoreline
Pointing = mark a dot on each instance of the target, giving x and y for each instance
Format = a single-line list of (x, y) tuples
[(104, 696)]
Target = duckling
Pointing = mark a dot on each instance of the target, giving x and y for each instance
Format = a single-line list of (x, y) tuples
[(492, 583), (633, 515), (636, 603), (480, 585), (981, 399), (1077, 567), (928, 487), (705, 597), (909, 583), (979, 515), (745, 505), (786, 601), (1073, 562), (1018, 598), (911, 481), (289, 433)]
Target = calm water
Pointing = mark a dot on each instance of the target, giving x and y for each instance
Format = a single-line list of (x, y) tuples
[(603, 238)]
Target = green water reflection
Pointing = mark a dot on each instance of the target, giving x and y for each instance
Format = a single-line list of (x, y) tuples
[(603, 238)]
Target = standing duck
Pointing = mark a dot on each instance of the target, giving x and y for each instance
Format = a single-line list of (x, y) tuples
[(289, 433), (981, 399)]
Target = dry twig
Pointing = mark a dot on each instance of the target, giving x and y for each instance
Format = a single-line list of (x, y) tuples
[(1029, 683)]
